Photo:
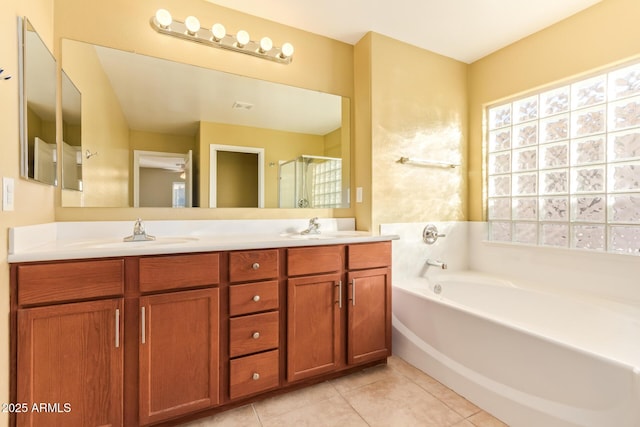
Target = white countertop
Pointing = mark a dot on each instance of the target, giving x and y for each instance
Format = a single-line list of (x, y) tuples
[(101, 239)]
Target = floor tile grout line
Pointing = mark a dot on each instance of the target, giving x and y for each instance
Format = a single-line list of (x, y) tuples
[(439, 399), (354, 409), (255, 412)]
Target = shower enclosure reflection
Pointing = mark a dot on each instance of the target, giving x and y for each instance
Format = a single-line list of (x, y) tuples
[(311, 182)]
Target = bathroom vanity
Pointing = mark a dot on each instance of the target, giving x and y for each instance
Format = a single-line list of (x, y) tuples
[(159, 338)]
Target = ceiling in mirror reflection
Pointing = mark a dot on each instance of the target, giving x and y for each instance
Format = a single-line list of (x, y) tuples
[(170, 97)]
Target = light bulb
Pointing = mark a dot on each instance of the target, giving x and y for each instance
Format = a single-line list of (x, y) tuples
[(218, 32), (163, 17), (265, 45), (192, 24), (286, 50), (243, 38)]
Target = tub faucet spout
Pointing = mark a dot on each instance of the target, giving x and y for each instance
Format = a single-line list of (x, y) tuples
[(436, 263)]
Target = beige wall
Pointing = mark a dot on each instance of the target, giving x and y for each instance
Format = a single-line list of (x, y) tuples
[(599, 36), (33, 202), (320, 64), (363, 131), (105, 177), (414, 105), (278, 146)]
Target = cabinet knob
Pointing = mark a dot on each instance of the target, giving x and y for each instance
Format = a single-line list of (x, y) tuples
[(256, 335), (255, 376), (255, 266), (256, 298)]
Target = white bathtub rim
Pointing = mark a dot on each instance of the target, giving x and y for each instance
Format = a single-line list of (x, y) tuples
[(507, 395), (632, 363)]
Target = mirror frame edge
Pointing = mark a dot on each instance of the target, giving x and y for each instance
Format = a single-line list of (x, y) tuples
[(22, 99)]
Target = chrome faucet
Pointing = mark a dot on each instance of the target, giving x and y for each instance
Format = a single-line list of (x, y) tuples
[(313, 228), (436, 263), (139, 233)]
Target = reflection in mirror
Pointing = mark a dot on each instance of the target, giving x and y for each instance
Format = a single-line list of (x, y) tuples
[(71, 135), (135, 103), (38, 153)]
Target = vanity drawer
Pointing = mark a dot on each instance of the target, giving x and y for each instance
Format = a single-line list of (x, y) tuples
[(160, 273), (252, 374), (313, 260), (254, 333), (368, 255), (67, 281), (253, 297), (247, 266)]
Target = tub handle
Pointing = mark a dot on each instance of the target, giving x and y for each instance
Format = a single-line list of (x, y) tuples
[(430, 234)]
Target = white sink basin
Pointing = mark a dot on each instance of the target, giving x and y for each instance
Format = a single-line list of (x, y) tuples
[(119, 244), (325, 235), (307, 236)]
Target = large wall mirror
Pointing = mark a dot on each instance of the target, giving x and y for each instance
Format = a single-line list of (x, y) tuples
[(157, 133), (38, 150)]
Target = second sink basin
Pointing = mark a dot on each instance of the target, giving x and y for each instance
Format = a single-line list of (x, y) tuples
[(325, 235)]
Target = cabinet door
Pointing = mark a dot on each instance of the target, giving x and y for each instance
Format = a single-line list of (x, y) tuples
[(70, 364), (179, 353), (313, 326), (369, 315)]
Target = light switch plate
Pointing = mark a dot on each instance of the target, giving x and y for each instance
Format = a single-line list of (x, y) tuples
[(359, 195), (7, 194)]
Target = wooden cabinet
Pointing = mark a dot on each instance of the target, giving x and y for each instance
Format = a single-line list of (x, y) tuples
[(178, 353), (317, 334), (179, 332), (69, 354), (51, 283), (70, 359), (369, 307), (369, 315), (314, 337), (254, 323), (148, 340)]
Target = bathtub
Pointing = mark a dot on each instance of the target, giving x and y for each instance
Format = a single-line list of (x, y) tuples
[(530, 358)]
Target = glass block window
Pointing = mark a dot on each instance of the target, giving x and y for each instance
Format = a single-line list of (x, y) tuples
[(327, 182), (563, 165)]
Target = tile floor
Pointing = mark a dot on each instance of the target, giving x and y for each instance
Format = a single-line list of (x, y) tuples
[(397, 394)]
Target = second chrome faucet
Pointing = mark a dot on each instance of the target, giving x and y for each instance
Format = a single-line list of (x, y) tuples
[(313, 228)]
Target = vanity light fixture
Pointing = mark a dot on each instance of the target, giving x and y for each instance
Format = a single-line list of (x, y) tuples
[(218, 32), (163, 18), (217, 36), (193, 25), (265, 45)]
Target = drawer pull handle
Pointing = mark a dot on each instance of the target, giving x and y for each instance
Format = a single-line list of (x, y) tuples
[(339, 286), (256, 298), (353, 292), (255, 376), (255, 266), (143, 325), (256, 335), (117, 327)]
